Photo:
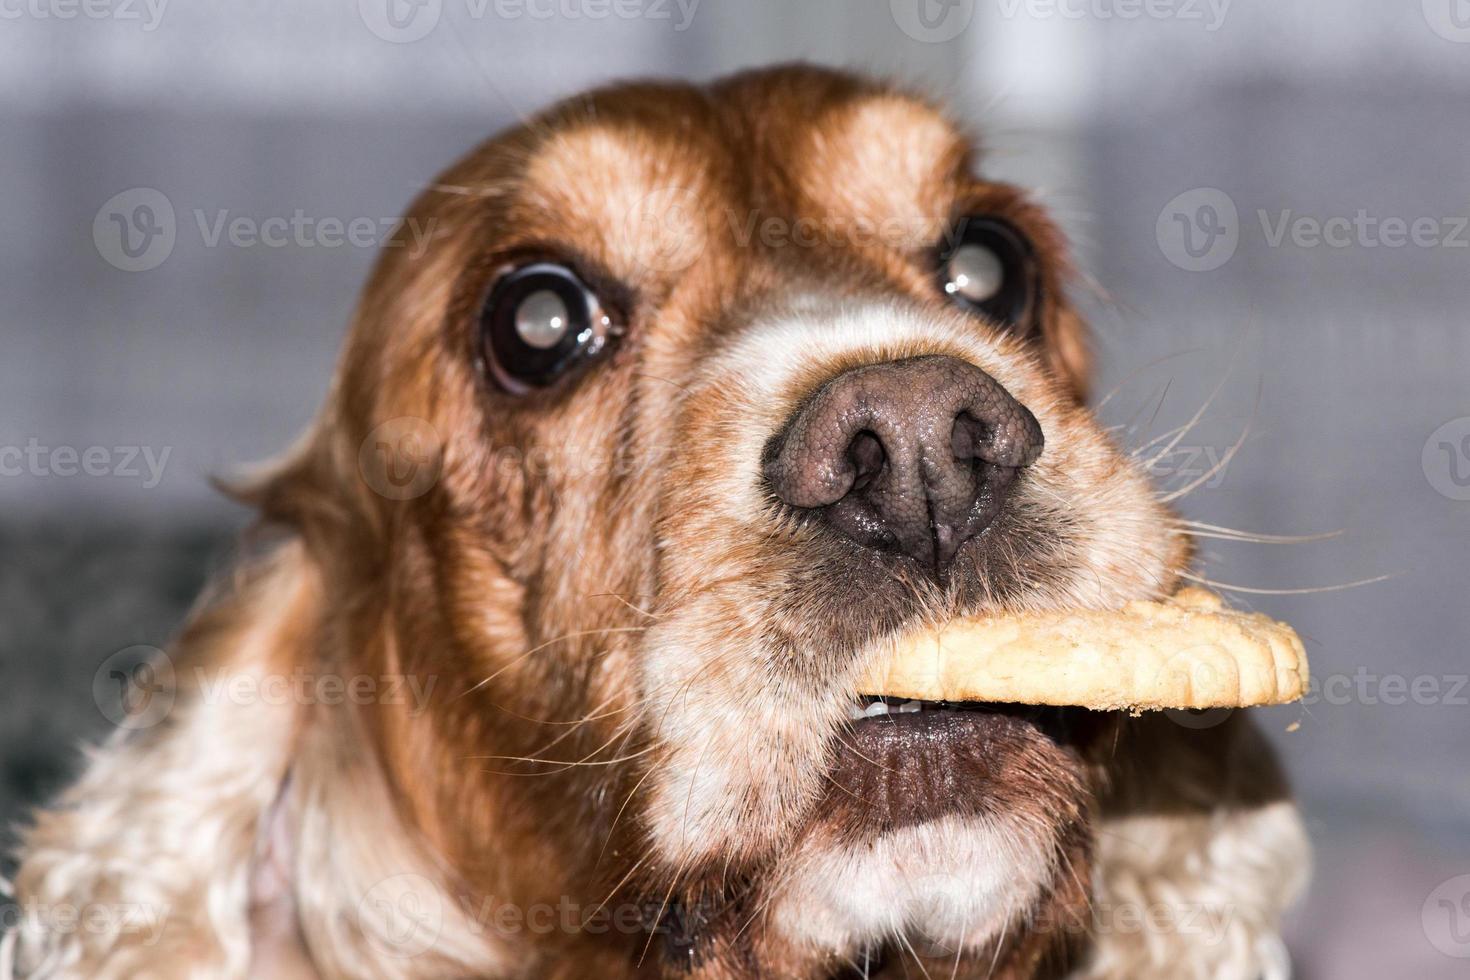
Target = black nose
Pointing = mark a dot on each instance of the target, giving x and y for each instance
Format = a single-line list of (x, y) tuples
[(914, 456)]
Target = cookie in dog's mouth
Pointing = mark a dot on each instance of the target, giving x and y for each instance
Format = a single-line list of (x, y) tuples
[(984, 712), (1187, 651)]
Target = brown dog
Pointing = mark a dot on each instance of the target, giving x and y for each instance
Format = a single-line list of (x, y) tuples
[(696, 394)]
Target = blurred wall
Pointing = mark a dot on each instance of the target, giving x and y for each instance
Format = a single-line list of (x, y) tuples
[(1189, 148)]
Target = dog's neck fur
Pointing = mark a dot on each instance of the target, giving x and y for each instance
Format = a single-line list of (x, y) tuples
[(274, 844)]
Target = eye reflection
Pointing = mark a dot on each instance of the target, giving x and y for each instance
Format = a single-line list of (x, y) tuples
[(541, 319)]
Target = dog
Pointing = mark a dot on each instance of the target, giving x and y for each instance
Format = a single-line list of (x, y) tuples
[(696, 395)]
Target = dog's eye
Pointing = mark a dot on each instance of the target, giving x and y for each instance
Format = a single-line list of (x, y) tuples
[(540, 322), (989, 268)]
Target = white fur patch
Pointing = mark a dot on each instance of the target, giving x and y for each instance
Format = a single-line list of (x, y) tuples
[(951, 883), (1223, 880), (768, 357)]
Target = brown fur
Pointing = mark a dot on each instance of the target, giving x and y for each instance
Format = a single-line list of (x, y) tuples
[(585, 564)]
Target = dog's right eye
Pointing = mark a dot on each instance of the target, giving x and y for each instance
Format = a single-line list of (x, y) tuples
[(989, 269), (539, 324)]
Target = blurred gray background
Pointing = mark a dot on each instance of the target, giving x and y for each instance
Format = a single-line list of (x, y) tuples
[(1188, 148)]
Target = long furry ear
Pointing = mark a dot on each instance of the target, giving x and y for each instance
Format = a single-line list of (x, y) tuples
[(234, 829), (1069, 352), (155, 843), (1199, 852)]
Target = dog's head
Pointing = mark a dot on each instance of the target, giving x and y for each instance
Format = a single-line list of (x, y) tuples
[(717, 390), (696, 399)]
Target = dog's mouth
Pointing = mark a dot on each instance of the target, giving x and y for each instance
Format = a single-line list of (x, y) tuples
[(901, 761), (877, 715), (1059, 679)]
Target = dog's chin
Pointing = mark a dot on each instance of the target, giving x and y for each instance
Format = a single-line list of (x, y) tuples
[(941, 824), (936, 887)]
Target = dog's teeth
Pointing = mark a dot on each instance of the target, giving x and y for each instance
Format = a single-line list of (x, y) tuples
[(875, 709)]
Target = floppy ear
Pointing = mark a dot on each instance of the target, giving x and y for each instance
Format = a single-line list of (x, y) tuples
[(1199, 852), (1068, 350), (157, 838), (231, 830)]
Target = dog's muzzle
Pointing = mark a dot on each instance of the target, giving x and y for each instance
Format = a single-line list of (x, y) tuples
[(913, 456)]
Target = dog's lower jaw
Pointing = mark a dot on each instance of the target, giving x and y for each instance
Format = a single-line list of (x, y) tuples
[(951, 885), (960, 897)]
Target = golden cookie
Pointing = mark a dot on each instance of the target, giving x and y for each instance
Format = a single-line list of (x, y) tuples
[(1188, 651)]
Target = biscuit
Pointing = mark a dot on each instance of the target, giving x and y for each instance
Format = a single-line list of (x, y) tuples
[(1188, 651)]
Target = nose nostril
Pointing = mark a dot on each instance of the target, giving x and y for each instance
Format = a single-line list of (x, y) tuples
[(967, 436), (867, 457), (952, 442)]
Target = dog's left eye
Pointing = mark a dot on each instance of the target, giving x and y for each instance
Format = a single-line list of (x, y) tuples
[(989, 268), (540, 322)]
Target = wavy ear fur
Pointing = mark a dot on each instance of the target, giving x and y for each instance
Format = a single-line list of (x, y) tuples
[(162, 829), (237, 837), (1199, 852)]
